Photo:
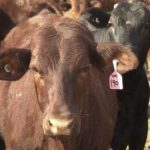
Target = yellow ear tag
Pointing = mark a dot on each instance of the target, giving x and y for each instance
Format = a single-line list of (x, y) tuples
[(115, 79)]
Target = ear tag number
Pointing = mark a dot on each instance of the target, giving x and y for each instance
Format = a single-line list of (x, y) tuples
[(115, 79)]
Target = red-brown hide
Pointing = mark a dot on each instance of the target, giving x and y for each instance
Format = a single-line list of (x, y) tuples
[(66, 82)]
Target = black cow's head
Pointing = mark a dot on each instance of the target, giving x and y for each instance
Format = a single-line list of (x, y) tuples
[(129, 24)]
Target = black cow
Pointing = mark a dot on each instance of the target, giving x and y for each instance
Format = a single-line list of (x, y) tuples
[(129, 24)]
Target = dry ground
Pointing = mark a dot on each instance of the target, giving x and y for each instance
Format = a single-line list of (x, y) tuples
[(147, 145)]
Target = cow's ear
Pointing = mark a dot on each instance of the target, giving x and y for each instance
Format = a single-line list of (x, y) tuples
[(127, 59), (14, 63)]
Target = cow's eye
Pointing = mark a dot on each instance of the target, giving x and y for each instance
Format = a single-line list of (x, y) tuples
[(95, 20), (85, 69)]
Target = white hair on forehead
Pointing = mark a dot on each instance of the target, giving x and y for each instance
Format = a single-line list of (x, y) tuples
[(129, 1), (132, 1), (128, 22), (115, 6)]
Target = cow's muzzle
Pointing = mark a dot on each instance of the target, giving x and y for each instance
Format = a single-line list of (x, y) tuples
[(60, 126)]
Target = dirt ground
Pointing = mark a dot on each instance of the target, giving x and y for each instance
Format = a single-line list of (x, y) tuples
[(147, 145)]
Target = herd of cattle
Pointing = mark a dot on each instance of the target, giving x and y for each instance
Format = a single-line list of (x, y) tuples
[(55, 64)]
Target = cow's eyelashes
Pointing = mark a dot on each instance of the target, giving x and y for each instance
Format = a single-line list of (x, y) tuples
[(37, 71)]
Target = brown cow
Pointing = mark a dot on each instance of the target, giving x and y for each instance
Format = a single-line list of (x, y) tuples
[(13, 12), (60, 98), (20, 10)]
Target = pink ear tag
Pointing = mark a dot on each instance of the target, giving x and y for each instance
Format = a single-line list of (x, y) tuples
[(115, 79)]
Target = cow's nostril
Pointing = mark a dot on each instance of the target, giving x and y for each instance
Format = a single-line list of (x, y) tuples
[(71, 124), (49, 122)]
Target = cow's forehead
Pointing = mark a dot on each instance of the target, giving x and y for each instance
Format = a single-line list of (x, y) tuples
[(132, 11), (53, 48)]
